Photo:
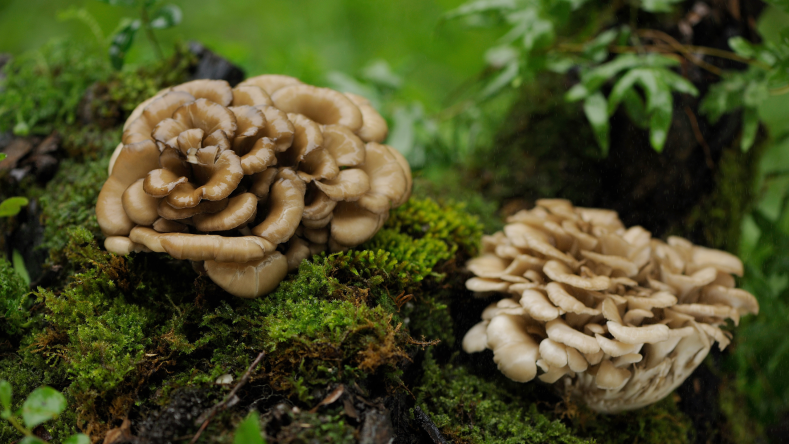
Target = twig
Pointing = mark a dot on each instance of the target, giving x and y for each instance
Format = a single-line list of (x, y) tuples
[(222, 405), (679, 47), (429, 426), (149, 32), (700, 137)]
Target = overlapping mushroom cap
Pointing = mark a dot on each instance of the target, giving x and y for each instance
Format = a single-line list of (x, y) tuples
[(619, 317), (250, 180)]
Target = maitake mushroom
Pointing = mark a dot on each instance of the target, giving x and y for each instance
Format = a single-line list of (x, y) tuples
[(621, 318), (250, 180)]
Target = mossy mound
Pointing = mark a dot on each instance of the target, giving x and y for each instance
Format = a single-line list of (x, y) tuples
[(147, 339)]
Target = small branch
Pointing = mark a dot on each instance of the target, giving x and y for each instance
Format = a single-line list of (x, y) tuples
[(146, 21), (700, 137), (19, 427), (429, 426), (222, 405)]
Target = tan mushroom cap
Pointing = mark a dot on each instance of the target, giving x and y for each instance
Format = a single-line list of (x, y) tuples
[(318, 205), (209, 136), (239, 211), (161, 107), (249, 279), (271, 82), (647, 334), (168, 212), (217, 91), (203, 114), (538, 306), (409, 182), (250, 122), (199, 247), (476, 339), (223, 176), (567, 302), (278, 128), (261, 183), (322, 105), (388, 183), (560, 272), (250, 95), (318, 223), (307, 138), (298, 250), (137, 159), (739, 299), (353, 225), (139, 206), (559, 331), (374, 128), (514, 350), (611, 378), (554, 353), (286, 206), (349, 185), (123, 246), (347, 149), (163, 225), (318, 165), (720, 260)]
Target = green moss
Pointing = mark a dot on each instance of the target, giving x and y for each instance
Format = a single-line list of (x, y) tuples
[(42, 89), (13, 301), (115, 98), (471, 409), (306, 427), (658, 423), (26, 372), (718, 220), (69, 200), (451, 223)]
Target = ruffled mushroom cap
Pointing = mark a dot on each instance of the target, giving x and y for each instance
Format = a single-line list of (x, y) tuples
[(322, 105), (206, 172), (620, 317)]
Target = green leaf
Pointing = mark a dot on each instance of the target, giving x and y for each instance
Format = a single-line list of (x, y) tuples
[(77, 439), (19, 266), (499, 56), (122, 41), (595, 108), (636, 110), (12, 206), (6, 392), (750, 124), (119, 2), (43, 404), (248, 432), (659, 124), (595, 78), (621, 88), (166, 17), (31, 440), (380, 73), (676, 82), (2, 156), (742, 47), (597, 48), (502, 79), (658, 5), (478, 6)]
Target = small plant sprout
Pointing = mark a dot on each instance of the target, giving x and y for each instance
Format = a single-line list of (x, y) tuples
[(152, 17), (43, 404)]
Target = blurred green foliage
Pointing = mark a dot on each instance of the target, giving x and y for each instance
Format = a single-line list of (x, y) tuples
[(41, 89)]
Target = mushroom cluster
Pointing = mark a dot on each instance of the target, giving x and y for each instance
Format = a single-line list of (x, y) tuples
[(249, 181), (619, 317)]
